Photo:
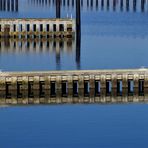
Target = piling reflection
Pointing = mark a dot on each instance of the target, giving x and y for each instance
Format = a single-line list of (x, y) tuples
[(9, 5), (58, 8), (111, 5), (36, 45), (39, 97), (44, 45)]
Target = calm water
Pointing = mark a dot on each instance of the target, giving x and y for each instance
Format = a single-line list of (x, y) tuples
[(74, 126), (112, 37)]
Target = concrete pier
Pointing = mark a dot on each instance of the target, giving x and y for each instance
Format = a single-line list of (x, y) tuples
[(32, 28), (69, 85)]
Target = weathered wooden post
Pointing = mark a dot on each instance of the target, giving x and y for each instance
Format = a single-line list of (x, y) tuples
[(78, 33)]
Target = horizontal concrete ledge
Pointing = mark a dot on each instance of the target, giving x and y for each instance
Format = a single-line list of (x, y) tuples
[(76, 72), (38, 19)]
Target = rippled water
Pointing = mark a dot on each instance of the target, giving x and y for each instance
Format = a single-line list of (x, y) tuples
[(113, 37)]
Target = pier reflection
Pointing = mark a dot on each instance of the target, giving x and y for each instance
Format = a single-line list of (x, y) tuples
[(36, 45), (44, 45), (45, 98)]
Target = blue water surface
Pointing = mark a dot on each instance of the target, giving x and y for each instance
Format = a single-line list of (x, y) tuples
[(65, 126), (110, 39)]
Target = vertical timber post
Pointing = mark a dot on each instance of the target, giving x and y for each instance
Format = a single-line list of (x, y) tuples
[(78, 33)]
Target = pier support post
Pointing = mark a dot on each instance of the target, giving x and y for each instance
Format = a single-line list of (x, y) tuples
[(103, 85), (136, 85), (124, 85), (36, 86), (81, 86), (146, 84), (13, 90), (2, 87), (92, 87), (58, 87), (47, 87), (114, 85), (70, 87), (25, 90)]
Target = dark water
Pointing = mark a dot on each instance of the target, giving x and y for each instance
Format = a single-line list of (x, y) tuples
[(112, 37)]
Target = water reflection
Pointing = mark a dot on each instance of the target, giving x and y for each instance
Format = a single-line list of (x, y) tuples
[(36, 45), (112, 5), (104, 35), (44, 45), (9, 5), (46, 98)]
